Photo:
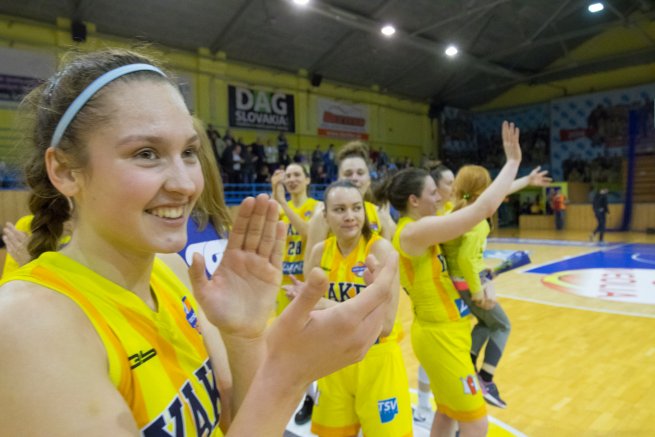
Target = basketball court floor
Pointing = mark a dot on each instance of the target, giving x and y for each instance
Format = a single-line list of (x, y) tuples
[(580, 360)]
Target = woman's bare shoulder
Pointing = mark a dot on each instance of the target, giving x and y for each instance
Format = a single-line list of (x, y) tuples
[(27, 308)]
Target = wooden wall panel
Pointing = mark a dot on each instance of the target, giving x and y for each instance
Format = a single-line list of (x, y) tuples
[(13, 205)]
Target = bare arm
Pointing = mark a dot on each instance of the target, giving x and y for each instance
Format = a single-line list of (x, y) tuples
[(296, 221), (428, 231), (54, 369), (536, 178), (318, 231), (380, 251), (301, 332), (388, 225)]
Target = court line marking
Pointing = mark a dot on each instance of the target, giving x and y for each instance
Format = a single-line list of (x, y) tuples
[(492, 419), (635, 257), (576, 307), (528, 269)]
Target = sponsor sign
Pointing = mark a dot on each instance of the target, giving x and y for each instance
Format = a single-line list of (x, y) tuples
[(259, 109), (342, 120)]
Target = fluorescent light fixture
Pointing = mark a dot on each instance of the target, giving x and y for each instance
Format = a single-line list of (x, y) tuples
[(301, 2), (595, 7), (451, 51), (388, 30)]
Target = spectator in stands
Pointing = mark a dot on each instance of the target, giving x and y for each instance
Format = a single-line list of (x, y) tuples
[(329, 163), (228, 136), (258, 155), (282, 145), (263, 175), (216, 142), (248, 167), (237, 165), (271, 153)]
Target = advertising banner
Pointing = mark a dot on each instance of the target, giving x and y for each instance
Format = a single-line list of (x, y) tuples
[(258, 109), (342, 120)]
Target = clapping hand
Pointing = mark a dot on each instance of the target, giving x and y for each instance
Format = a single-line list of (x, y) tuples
[(240, 295)]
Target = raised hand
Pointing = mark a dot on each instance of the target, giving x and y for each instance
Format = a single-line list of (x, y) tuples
[(16, 242), (240, 295), (511, 143), (302, 332), (278, 186), (539, 178)]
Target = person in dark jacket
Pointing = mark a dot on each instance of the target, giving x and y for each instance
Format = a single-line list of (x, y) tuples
[(601, 210)]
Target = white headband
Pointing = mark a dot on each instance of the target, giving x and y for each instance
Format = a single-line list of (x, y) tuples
[(90, 90)]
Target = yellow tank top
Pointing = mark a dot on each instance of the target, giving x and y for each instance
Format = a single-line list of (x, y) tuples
[(157, 360), (346, 275), (24, 224), (373, 219), (426, 280), (295, 249)]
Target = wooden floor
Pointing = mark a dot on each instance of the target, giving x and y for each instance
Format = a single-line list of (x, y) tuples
[(574, 366)]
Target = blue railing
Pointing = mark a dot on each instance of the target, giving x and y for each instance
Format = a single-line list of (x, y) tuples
[(235, 193)]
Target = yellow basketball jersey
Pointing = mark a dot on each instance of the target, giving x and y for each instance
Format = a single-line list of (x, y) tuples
[(373, 219), (157, 360), (295, 248), (346, 275), (426, 280), (24, 224)]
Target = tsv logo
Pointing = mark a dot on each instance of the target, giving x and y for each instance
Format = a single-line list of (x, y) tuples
[(388, 409)]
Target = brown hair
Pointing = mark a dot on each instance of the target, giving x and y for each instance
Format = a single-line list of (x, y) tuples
[(353, 149), (470, 182), (397, 188), (366, 227), (210, 206), (40, 113)]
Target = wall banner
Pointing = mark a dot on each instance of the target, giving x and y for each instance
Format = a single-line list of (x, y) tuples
[(257, 109), (342, 120)]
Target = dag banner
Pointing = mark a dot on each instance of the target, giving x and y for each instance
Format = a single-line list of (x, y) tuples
[(342, 120), (258, 109)]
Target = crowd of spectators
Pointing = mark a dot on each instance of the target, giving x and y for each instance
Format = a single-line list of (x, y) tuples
[(601, 169), (242, 163)]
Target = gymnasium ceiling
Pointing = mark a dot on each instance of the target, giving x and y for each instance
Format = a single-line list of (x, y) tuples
[(502, 42)]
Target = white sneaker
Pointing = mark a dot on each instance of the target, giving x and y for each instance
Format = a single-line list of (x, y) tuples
[(423, 417)]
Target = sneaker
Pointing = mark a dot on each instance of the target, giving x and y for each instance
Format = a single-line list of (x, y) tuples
[(305, 413), (491, 395), (423, 417)]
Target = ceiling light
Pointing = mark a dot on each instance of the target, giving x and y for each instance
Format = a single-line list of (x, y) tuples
[(451, 51), (301, 2), (388, 30), (595, 7)]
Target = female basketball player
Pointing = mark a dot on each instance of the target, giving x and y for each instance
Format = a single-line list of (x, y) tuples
[(295, 213), (118, 342), (441, 329), (374, 393), (353, 165)]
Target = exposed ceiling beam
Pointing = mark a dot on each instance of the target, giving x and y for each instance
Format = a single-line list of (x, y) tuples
[(325, 56), (365, 24), (236, 17), (609, 63), (456, 17), (549, 20), (527, 45)]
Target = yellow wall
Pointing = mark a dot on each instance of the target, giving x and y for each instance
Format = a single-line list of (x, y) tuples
[(398, 125), (617, 40)]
